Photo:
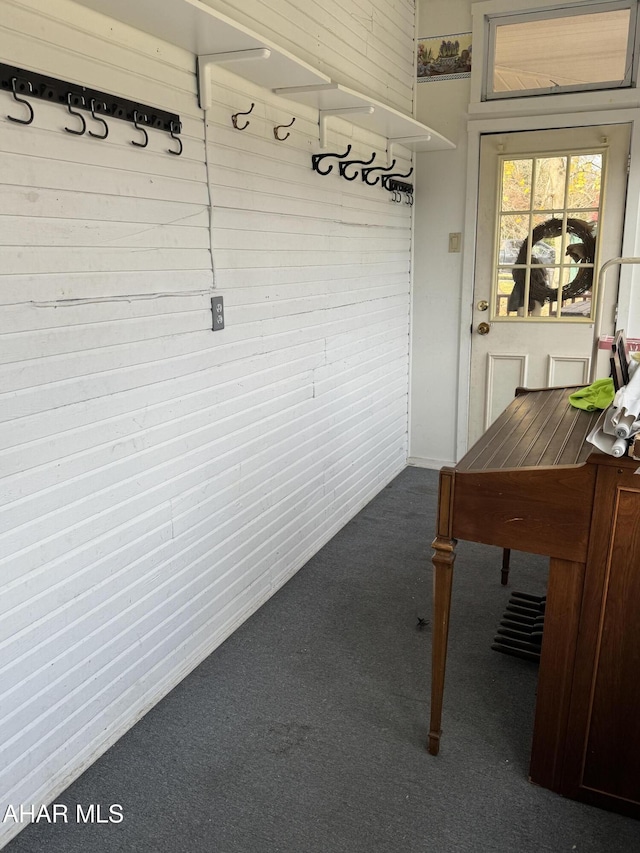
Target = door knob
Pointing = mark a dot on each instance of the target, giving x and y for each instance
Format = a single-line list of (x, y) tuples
[(483, 328)]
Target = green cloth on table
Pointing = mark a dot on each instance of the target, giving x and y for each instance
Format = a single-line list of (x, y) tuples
[(599, 395)]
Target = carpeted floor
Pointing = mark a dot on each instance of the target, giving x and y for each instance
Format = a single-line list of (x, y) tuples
[(305, 732)]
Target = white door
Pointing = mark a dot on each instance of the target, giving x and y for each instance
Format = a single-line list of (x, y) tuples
[(550, 212)]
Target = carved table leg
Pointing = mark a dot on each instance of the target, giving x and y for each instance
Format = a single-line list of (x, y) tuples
[(443, 560)]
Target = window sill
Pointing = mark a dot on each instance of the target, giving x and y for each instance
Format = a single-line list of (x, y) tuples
[(575, 102)]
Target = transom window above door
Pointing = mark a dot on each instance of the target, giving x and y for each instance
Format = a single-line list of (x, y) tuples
[(547, 235), (576, 47)]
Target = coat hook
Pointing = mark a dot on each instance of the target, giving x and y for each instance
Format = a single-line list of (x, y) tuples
[(277, 128), (387, 178), (315, 159), (365, 173), (234, 118), (172, 132), (94, 106), (78, 115), (137, 126), (14, 80), (344, 163)]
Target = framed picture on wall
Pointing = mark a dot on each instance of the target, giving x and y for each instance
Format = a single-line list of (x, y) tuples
[(444, 57)]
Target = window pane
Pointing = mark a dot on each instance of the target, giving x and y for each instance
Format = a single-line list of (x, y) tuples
[(579, 260), (516, 184), (585, 177), (513, 231), (503, 289), (543, 290), (578, 307), (554, 275), (550, 183), (548, 250), (558, 52), (582, 230), (587, 216), (575, 304)]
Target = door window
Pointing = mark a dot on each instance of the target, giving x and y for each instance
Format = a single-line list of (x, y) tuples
[(547, 236)]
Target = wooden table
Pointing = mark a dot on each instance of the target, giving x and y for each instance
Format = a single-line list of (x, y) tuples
[(534, 484)]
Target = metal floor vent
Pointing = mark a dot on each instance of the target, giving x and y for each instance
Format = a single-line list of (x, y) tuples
[(520, 631)]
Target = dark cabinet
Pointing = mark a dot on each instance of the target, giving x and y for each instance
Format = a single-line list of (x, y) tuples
[(601, 763)]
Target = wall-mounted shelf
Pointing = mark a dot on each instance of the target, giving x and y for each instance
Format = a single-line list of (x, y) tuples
[(381, 119), (219, 40), (199, 29)]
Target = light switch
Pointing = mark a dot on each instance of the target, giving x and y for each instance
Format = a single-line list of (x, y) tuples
[(454, 241)]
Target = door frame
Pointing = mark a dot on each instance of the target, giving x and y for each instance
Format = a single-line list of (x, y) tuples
[(630, 236)]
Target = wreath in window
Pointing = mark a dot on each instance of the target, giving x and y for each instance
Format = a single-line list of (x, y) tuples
[(582, 252)]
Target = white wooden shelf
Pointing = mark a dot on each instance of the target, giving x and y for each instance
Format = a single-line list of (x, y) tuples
[(199, 29), (219, 40), (381, 119)]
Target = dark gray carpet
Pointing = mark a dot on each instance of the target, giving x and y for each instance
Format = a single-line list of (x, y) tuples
[(305, 732)]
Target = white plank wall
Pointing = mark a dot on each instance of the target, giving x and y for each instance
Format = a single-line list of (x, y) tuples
[(365, 44), (158, 481)]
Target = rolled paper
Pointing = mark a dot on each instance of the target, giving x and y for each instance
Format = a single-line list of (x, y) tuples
[(619, 447), (624, 426)]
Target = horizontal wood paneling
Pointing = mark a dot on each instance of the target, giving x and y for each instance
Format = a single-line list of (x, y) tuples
[(158, 481), (366, 44)]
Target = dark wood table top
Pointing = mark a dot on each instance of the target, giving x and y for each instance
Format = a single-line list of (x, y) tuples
[(539, 428)]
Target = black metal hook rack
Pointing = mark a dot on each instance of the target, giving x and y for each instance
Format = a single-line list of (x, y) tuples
[(31, 84), (342, 166), (398, 186), (364, 174), (401, 186), (316, 158), (388, 180)]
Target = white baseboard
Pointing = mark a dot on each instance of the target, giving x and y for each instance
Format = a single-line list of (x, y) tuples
[(423, 462)]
